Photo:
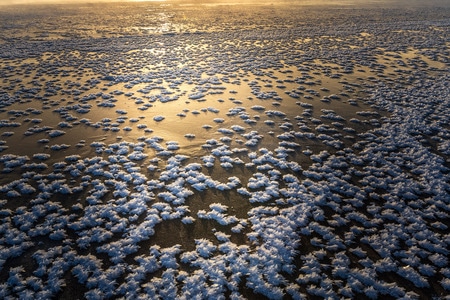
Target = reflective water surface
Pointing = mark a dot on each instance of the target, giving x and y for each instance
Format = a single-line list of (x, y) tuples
[(217, 150)]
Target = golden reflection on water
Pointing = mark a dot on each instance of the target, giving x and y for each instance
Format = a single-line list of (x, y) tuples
[(177, 55), (184, 116)]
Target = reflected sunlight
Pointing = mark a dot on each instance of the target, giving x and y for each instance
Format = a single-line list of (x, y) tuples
[(234, 2), (161, 149)]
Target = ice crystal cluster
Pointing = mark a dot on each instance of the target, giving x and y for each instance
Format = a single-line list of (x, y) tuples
[(281, 152)]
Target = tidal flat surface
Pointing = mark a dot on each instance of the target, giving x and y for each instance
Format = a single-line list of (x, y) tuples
[(220, 150)]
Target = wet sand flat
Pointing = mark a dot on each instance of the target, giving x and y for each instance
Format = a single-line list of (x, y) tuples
[(225, 150)]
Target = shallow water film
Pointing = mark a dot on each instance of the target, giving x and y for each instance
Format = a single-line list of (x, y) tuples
[(213, 150)]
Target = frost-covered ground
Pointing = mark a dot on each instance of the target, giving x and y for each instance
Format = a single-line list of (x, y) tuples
[(164, 150)]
